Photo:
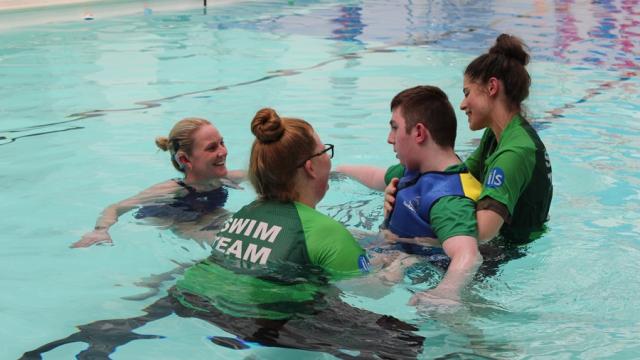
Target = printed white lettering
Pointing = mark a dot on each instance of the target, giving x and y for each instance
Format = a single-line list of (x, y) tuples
[(222, 242), (249, 228), (238, 225), (236, 249), (262, 255), (262, 232), (497, 181)]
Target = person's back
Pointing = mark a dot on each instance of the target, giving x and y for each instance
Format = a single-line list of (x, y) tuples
[(272, 253)]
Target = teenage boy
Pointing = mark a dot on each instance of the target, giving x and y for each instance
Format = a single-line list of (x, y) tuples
[(435, 205)]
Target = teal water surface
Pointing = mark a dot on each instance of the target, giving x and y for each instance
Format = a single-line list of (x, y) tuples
[(81, 102)]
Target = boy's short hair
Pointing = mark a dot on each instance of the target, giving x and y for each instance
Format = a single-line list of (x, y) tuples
[(429, 106)]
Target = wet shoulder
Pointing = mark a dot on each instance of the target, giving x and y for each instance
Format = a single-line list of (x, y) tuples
[(269, 210), (519, 136), (317, 221)]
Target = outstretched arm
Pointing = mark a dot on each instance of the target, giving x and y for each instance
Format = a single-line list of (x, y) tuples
[(370, 176), (236, 177), (110, 215)]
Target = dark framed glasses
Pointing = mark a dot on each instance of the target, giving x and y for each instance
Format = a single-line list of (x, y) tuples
[(328, 148)]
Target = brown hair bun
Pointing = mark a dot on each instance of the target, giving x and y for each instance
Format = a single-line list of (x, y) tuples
[(267, 126), (510, 47)]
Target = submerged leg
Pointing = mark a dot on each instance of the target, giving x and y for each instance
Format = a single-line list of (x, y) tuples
[(104, 336), (340, 330)]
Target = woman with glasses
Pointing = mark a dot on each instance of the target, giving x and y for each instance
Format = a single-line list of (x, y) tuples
[(289, 169)]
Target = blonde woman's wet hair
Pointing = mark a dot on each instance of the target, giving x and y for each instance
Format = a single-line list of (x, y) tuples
[(181, 138), (280, 146)]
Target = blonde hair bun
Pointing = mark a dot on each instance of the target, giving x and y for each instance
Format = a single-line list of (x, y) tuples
[(267, 126), (162, 142)]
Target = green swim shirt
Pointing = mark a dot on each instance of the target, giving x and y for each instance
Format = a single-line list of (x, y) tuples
[(516, 172), (271, 259)]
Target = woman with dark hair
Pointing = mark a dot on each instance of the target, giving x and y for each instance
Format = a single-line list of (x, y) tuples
[(511, 159)]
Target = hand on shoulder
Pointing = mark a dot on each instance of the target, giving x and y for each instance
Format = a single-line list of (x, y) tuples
[(390, 196)]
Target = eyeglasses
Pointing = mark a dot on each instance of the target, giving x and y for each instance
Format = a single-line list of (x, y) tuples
[(327, 148)]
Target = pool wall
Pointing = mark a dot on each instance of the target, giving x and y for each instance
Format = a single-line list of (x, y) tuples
[(16, 14)]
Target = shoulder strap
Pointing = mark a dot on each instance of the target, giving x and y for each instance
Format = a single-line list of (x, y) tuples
[(187, 187)]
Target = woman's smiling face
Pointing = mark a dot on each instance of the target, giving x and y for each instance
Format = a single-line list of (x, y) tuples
[(209, 154), (475, 104)]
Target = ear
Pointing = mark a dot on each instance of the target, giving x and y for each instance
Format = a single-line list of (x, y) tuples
[(493, 86), (182, 159), (421, 133), (309, 169)]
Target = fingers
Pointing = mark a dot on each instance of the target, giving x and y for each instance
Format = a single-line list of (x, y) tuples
[(388, 236), (93, 238), (392, 187), (390, 196)]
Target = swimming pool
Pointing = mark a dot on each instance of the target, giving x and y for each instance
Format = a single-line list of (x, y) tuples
[(81, 102)]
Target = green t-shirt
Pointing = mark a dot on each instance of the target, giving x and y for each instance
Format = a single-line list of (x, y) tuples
[(269, 254), (516, 172), (451, 215)]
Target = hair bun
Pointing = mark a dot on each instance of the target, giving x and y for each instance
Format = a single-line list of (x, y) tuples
[(162, 143), (511, 47), (267, 126)]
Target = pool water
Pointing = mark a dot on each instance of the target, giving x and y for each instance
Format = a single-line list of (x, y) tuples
[(81, 102)]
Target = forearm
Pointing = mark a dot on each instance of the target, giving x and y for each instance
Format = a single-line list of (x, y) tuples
[(110, 215), (370, 176), (237, 176), (465, 260), (460, 272)]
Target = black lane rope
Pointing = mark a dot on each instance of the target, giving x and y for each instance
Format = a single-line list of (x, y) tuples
[(6, 138)]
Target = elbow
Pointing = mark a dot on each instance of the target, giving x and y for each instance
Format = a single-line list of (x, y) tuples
[(485, 235), (467, 261)]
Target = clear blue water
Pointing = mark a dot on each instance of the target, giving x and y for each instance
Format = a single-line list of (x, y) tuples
[(81, 102)]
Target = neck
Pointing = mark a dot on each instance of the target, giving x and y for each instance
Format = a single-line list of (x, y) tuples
[(438, 159), (202, 184), (501, 117), (306, 196), (306, 188)]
